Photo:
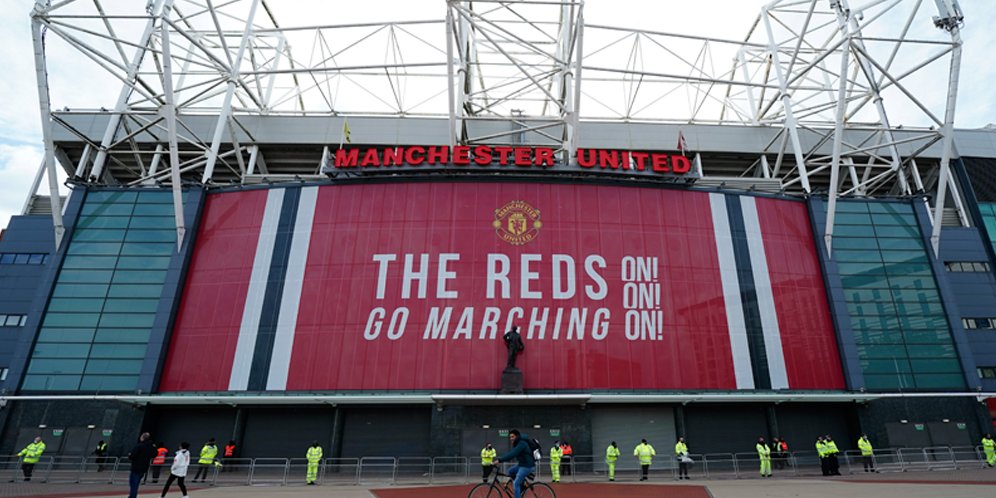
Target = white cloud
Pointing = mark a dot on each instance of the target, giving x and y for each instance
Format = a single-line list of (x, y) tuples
[(18, 164)]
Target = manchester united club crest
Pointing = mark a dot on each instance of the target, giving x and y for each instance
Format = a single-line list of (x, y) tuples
[(517, 222)]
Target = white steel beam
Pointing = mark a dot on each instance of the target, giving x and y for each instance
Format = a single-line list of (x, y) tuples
[(45, 108)]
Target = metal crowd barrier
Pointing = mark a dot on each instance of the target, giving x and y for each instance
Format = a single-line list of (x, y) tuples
[(456, 470)]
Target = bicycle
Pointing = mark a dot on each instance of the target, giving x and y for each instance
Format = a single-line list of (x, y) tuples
[(503, 489)]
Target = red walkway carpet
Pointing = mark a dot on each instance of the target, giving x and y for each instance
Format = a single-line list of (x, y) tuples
[(563, 491)]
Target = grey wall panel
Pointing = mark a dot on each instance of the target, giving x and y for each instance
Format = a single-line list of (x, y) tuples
[(287, 433), (394, 431), (193, 425), (801, 424), (724, 429), (627, 425)]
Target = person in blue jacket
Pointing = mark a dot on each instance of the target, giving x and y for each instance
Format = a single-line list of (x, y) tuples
[(523, 455)]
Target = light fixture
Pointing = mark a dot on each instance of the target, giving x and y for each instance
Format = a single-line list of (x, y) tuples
[(91, 427), (536, 426), (904, 421), (945, 420), (485, 426), (42, 426)]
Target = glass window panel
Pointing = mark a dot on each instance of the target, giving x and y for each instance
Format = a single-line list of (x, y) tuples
[(89, 262), (912, 284), (850, 207), (49, 350), (12, 320), (104, 366), (51, 383), (919, 307), (926, 336), (152, 222), (95, 248), (53, 366), (151, 236), (907, 269), (139, 277), (878, 337), (936, 366), (122, 335), (160, 196), (21, 259), (154, 209), (137, 291), (98, 235), (111, 196), (914, 295), (76, 304), (80, 290), (127, 319), (95, 209), (118, 351), (901, 244), (131, 306), (853, 243), (871, 308), (860, 269), (890, 207), (24, 320), (109, 383), (143, 262), (885, 322), (65, 335), (940, 381), (935, 351), (852, 219), (853, 231), (115, 222), (889, 367), (895, 219), (896, 231), (905, 257), (84, 320), (860, 295), (882, 352), (877, 282), (148, 249), (886, 382), (850, 256), (913, 322), (7, 259), (38, 259)]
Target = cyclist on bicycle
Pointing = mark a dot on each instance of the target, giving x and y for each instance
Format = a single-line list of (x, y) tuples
[(524, 457)]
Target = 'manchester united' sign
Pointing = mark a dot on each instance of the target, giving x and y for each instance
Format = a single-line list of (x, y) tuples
[(415, 157)]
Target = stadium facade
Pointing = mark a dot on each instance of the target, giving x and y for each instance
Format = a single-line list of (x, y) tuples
[(354, 286)]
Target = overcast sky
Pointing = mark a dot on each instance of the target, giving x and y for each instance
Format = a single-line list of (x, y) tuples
[(20, 135)]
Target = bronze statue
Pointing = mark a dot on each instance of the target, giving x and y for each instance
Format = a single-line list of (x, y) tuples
[(513, 341)]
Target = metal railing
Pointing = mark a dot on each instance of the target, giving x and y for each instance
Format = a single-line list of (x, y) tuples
[(458, 470)]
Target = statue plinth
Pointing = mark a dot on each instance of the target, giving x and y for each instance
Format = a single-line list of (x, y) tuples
[(511, 381)]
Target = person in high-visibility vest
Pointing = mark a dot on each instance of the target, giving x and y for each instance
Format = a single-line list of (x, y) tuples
[(314, 455), (556, 454), (867, 453), (681, 454), (488, 455), (989, 447), (158, 461), (208, 454), (567, 455), (229, 454), (764, 455), (646, 454), (821, 450), (30, 456), (101, 453), (611, 455), (832, 463)]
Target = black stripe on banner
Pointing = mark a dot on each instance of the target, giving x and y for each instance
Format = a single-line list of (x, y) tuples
[(270, 313), (748, 294)]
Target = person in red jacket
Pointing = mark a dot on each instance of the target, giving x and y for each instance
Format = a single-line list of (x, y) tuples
[(228, 454), (567, 460)]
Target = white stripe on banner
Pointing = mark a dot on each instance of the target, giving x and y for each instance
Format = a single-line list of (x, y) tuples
[(290, 301), (731, 293), (765, 296), (239, 380)]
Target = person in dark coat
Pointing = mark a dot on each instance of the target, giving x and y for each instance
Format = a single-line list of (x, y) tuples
[(141, 457)]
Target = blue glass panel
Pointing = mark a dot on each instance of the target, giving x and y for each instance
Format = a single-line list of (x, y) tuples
[(109, 383), (139, 277), (132, 351), (131, 306), (127, 319), (940, 381), (151, 236), (95, 248), (49, 350), (148, 249), (80, 290), (154, 209), (53, 366), (116, 222), (65, 335), (82, 320), (51, 383), (136, 291), (109, 196), (98, 235), (143, 262), (152, 222), (89, 262), (122, 335), (85, 276), (76, 304), (95, 209), (107, 366)]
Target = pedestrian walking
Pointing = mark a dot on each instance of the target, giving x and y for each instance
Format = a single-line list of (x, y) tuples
[(764, 455), (314, 455), (178, 471), (207, 458), (646, 454), (556, 454), (867, 453), (488, 455), (611, 455), (141, 457), (30, 456), (681, 454)]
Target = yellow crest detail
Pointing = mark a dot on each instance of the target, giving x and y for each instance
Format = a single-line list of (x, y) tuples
[(517, 222)]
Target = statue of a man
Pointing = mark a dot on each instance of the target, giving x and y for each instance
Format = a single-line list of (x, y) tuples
[(513, 341)]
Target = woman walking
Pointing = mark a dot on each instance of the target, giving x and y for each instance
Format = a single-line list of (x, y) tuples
[(179, 469)]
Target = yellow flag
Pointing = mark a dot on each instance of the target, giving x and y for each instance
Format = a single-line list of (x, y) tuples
[(345, 131)]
